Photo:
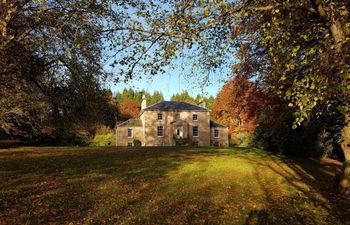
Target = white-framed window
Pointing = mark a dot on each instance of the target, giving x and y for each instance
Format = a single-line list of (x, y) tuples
[(195, 131), (129, 133), (160, 116), (195, 117), (195, 143), (160, 131), (216, 133)]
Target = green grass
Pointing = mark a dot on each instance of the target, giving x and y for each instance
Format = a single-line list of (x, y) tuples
[(93, 185)]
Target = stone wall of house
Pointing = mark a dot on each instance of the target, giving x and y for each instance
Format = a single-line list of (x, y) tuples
[(223, 136), (122, 138), (151, 122)]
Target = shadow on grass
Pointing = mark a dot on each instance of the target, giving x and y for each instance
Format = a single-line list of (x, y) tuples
[(79, 186), (314, 183), (126, 186)]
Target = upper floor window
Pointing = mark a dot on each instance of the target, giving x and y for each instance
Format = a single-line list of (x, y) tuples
[(195, 117), (160, 131), (216, 133), (160, 116), (129, 133), (195, 131), (177, 116)]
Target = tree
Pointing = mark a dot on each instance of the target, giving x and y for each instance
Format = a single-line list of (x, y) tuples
[(238, 105), (129, 109), (183, 97), (50, 66), (156, 97)]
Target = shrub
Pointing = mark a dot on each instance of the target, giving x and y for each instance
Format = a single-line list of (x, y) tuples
[(137, 143), (104, 136), (324, 144)]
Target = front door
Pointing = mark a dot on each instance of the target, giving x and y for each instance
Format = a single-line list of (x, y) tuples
[(179, 132)]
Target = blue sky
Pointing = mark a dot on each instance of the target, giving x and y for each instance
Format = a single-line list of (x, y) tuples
[(175, 81), (181, 75)]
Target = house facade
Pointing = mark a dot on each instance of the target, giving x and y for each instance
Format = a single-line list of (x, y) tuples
[(170, 123)]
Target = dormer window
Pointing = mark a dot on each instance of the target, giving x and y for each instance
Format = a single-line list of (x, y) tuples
[(160, 116), (194, 117)]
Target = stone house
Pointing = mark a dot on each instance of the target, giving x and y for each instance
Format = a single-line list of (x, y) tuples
[(170, 123)]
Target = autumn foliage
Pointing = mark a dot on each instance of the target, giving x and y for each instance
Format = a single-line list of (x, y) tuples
[(238, 105), (129, 109)]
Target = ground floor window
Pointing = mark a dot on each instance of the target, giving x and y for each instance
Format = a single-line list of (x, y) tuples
[(129, 133), (216, 133), (195, 143), (130, 144), (160, 131), (195, 131)]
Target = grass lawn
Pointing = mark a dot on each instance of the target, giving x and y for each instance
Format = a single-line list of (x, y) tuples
[(61, 185)]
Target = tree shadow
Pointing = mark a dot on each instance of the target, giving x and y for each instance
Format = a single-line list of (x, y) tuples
[(313, 180), (94, 186)]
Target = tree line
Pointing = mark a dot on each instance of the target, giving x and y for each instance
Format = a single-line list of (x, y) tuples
[(128, 101)]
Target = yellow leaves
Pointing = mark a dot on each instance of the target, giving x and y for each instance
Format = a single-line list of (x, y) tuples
[(295, 50), (206, 12)]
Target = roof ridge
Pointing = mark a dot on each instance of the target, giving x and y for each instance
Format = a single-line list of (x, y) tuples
[(167, 106)]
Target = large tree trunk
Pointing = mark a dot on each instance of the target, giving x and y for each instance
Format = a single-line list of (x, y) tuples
[(340, 31), (345, 145)]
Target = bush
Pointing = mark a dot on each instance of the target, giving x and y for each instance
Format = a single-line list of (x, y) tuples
[(104, 136), (324, 144), (233, 140), (241, 139), (137, 143)]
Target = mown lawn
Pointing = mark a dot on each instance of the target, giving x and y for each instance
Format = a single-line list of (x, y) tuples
[(166, 186)]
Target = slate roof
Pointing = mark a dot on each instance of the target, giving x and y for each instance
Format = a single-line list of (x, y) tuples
[(215, 124), (175, 106), (131, 123)]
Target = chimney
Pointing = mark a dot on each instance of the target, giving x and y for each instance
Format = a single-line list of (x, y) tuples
[(202, 103), (144, 102)]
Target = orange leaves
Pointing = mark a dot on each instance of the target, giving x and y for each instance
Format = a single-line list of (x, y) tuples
[(238, 105), (129, 109)]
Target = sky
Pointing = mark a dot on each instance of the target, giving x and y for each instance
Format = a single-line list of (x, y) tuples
[(175, 81), (180, 76)]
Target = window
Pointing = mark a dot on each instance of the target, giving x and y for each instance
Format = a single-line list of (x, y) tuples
[(160, 116), (216, 143), (195, 117), (129, 133), (130, 144), (195, 143), (195, 131), (177, 116), (216, 133), (160, 131)]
